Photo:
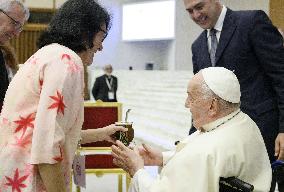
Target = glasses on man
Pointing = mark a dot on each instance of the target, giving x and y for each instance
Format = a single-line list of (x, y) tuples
[(17, 25)]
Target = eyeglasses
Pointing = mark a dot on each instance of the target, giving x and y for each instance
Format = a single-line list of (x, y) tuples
[(105, 33), (17, 25)]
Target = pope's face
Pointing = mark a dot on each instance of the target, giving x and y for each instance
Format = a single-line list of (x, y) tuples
[(197, 104), (204, 13)]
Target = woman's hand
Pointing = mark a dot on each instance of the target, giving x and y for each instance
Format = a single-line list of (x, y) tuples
[(126, 158), (101, 134), (109, 131)]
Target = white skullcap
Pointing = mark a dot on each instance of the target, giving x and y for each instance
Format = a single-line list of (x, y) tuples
[(223, 83)]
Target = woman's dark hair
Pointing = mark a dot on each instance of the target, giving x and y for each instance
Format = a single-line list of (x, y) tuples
[(75, 25)]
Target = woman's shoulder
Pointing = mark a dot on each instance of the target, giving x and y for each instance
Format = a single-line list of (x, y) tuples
[(57, 51)]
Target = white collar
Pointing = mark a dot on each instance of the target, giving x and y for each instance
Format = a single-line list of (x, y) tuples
[(215, 124), (219, 24)]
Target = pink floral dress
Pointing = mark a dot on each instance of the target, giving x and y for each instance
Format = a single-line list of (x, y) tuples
[(41, 118)]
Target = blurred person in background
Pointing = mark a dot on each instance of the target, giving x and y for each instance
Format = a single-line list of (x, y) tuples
[(13, 15), (105, 86)]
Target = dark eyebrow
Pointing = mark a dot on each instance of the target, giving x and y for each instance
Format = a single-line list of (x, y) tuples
[(197, 5)]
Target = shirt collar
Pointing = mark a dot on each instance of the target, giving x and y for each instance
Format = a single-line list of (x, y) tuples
[(219, 24), (218, 122)]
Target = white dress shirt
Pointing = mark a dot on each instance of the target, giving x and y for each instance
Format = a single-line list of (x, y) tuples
[(218, 27)]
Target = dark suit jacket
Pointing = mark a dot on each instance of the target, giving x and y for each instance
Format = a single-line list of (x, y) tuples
[(251, 46), (100, 89), (4, 81)]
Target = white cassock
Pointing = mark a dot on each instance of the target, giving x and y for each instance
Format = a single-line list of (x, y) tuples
[(234, 148)]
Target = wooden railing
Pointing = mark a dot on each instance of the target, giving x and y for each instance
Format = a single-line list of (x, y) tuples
[(25, 44)]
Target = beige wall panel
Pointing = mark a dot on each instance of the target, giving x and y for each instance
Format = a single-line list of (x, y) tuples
[(44, 3), (247, 4), (277, 12), (39, 3)]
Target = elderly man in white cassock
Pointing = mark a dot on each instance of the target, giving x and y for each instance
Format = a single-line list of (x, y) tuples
[(228, 143)]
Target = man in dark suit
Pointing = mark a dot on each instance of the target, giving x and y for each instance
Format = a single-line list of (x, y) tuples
[(105, 86), (13, 15), (247, 43)]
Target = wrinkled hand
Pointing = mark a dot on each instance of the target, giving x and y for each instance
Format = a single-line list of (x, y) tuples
[(126, 158), (108, 132), (279, 147), (151, 156)]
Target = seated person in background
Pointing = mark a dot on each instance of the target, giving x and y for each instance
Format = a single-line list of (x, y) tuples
[(105, 86), (227, 143)]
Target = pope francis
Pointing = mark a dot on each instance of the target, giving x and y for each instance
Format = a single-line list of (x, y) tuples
[(227, 143)]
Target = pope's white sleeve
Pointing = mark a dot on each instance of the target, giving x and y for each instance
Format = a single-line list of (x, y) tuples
[(167, 156), (141, 181), (189, 172)]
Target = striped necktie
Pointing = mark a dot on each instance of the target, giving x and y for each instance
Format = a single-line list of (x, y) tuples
[(214, 44)]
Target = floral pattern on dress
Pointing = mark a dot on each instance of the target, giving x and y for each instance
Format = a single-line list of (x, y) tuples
[(58, 103), (16, 183), (41, 118)]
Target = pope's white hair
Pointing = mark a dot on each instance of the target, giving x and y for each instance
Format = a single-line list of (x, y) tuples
[(7, 5), (207, 93)]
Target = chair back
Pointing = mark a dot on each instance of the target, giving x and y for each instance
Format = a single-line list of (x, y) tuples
[(98, 115)]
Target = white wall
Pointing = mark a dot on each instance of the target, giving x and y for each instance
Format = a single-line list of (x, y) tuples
[(186, 32), (124, 54), (169, 54)]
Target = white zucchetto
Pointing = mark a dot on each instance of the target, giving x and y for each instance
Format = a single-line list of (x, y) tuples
[(223, 83)]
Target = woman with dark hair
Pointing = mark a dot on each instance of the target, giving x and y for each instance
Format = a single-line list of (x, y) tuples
[(42, 115)]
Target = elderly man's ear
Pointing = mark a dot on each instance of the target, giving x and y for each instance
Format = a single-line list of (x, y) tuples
[(214, 109)]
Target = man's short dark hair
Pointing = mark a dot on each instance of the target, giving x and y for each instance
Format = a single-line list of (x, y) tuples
[(75, 25)]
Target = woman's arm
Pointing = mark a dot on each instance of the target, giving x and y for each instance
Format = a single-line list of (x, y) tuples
[(91, 135), (52, 177), (100, 134)]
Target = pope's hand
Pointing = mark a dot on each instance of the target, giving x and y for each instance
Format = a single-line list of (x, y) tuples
[(126, 158), (151, 156)]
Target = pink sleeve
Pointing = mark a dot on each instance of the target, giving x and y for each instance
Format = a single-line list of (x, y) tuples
[(61, 96)]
